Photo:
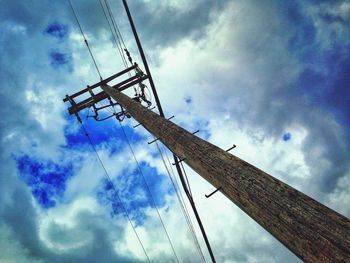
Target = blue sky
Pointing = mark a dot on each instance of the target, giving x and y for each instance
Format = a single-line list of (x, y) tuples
[(271, 77)]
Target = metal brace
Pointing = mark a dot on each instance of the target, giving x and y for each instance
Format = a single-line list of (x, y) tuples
[(90, 91), (72, 102)]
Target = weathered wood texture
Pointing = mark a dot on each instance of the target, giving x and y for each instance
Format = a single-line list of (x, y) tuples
[(309, 229)]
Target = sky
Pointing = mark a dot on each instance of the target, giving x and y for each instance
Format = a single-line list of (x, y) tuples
[(271, 77)]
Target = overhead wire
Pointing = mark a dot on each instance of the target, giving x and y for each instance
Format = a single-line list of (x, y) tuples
[(93, 146), (181, 201), (186, 177), (149, 191), (117, 36), (85, 40), (186, 210), (115, 190), (176, 189), (113, 32), (115, 24), (120, 43)]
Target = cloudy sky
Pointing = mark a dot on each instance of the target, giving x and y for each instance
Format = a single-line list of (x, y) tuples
[(271, 77)]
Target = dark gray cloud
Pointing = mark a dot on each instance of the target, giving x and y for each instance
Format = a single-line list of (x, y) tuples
[(162, 25)]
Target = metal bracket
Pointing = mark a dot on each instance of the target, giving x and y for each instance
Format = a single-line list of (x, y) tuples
[(209, 195), (90, 91)]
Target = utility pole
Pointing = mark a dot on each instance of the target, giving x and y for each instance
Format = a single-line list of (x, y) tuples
[(312, 231), (161, 113)]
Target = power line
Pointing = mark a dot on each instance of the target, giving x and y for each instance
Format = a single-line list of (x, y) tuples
[(113, 19), (117, 36), (181, 202), (178, 193), (186, 211), (149, 191), (114, 189), (85, 40), (114, 33), (186, 177), (115, 25), (119, 39)]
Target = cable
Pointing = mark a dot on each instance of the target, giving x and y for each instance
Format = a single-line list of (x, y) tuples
[(114, 22), (185, 207), (181, 202), (188, 183), (115, 36), (190, 199), (85, 40), (115, 190), (148, 189), (178, 193)]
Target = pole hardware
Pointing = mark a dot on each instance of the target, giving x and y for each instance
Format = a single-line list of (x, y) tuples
[(137, 125), (209, 195), (90, 91), (171, 117), (153, 141), (195, 132), (229, 149), (95, 98)]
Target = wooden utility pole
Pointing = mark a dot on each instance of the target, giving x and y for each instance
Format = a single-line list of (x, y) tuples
[(312, 231), (161, 113)]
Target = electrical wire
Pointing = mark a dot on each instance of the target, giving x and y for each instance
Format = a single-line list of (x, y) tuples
[(186, 177), (119, 42), (114, 34), (85, 40), (181, 201), (186, 209), (117, 36), (114, 22), (149, 191), (115, 190)]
